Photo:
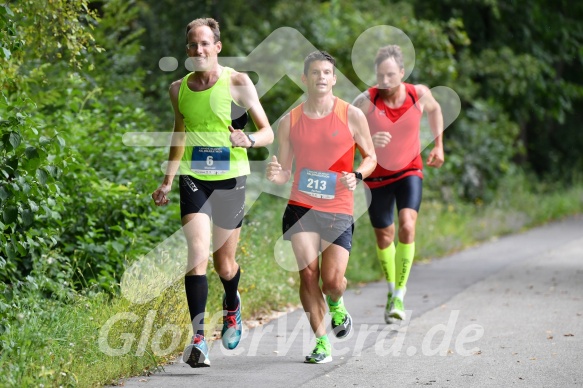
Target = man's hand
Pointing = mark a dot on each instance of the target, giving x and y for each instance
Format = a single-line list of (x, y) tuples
[(238, 138), (381, 139), (273, 169), (436, 158), (159, 196), (349, 180)]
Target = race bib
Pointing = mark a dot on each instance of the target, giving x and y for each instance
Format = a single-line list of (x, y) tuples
[(318, 184), (211, 160)]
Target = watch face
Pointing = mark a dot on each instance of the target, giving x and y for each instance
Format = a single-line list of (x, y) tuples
[(252, 139)]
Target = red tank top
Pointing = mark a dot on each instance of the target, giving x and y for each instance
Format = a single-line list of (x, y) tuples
[(323, 148), (401, 157)]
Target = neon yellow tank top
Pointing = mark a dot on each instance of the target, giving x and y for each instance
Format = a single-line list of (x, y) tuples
[(208, 154)]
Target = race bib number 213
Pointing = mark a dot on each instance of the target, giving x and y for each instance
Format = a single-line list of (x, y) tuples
[(318, 184)]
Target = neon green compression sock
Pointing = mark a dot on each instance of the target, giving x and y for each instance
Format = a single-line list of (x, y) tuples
[(403, 262), (387, 258)]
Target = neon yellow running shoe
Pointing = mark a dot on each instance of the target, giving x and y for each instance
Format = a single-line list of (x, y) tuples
[(388, 318), (397, 310), (341, 320), (322, 353)]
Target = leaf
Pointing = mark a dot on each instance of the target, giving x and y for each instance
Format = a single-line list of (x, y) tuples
[(7, 10), (14, 139), (61, 141), (4, 194), (31, 153), (7, 53), (33, 206), (42, 176), (10, 214), (118, 247), (27, 217), (20, 247), (25, 188), (10, 252), (52, 170), (44, 140), (12, 164)]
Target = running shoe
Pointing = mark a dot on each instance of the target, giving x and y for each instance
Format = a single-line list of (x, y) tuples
[(341, 320), (388, 318), (196, 354), (397, 311), (232, 325), (322, 353)]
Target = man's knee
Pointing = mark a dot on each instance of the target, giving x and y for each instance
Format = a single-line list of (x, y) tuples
[(407, 232), (310, 275), (332, 286), (385, 236), (226, 269)]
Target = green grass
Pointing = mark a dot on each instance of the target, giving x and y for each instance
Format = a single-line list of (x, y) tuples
[(58, 343)]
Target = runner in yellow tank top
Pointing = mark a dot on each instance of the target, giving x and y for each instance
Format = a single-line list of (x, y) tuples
[(210, 156)]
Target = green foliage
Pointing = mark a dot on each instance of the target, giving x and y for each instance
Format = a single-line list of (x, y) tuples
[(525, 56), (70, 190)]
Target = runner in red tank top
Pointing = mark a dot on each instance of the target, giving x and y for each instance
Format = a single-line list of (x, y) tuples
[(321, 135), (393, 110)]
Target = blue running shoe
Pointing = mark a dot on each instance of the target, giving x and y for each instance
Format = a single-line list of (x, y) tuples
[(197, 353), (232, 325)]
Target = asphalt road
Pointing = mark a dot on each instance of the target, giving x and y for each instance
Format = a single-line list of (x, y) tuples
[(505, 313)]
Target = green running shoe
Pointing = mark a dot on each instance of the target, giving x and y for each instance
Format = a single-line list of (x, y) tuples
[(341, 320), (321, 354), (388, 318), (397, 310)]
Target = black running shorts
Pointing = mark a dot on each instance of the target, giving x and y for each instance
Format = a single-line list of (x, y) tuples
[(223, 201), (406, 192), (336, 228)]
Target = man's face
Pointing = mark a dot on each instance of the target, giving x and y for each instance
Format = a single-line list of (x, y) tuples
[(389, 75), (202, 48), (320, 78)]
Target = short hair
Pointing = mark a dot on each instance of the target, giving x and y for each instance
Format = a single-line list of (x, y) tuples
[(317, 56), (391, 51), (201, 22)]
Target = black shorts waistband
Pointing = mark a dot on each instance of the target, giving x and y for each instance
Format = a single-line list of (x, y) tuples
[(393, 176)]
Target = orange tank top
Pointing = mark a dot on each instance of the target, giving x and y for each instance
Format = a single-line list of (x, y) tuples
[(323, 148)]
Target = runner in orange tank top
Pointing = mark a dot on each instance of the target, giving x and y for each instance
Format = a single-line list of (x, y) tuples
[(393, 110), (321, 135)]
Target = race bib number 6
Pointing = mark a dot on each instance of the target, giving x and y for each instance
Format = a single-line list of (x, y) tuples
[(318, 184), (211, 160)]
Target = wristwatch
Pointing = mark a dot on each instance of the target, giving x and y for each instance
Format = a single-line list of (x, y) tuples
[(251, 139), (357, 175)]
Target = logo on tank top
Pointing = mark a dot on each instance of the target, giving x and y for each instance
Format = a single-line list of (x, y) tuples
[(335, 133)]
